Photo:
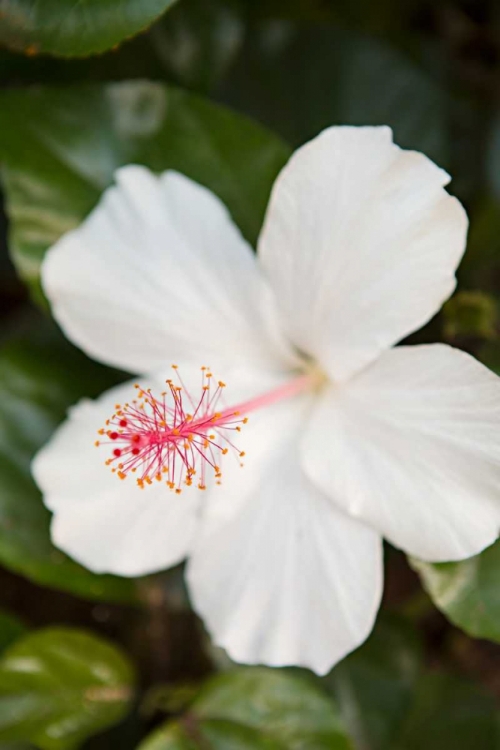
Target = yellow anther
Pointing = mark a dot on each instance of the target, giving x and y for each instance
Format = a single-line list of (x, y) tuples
[(122, 475)]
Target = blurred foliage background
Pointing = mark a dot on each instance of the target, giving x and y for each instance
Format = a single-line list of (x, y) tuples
[(85, 87)]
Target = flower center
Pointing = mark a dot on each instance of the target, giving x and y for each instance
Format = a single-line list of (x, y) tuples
[(176, 437)]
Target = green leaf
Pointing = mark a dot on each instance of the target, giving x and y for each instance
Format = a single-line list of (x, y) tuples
[(288, 708), (467, 592), (208, 734), (481, 264), (69, 28), (38, 382), (374, 685), (299, 79), (10, 629), (448, 713), (470, 314), (198, 41), (255, 707), (59, 686), (61, 147)]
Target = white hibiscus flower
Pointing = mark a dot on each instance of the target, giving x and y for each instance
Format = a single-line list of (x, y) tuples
[(348, 439)]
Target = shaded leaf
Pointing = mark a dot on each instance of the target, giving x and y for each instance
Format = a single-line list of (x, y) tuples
[(286, 707), (10, 629), (208, 734), (255, 707), (60, 149), (38, 382), (374, 685), (69, 28), (198, 41), (470, 314), (59, 686), (467, 592), (448, 713), (480, 267), (301, 79)]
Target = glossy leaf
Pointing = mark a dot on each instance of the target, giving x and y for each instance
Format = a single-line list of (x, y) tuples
[(374, 685), (467, 592), (286, 707), (69, 28), (59, 686), (448, 713), (38, 382), (61, 147), (299, 79), (191, 734), (255, 707)]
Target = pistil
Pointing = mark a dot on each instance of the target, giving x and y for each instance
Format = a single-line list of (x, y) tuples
[(177, 439)]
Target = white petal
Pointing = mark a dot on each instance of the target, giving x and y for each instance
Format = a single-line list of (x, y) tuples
[(411, 446), (159, 272), (278, 574), (106, 524), (361, 243)]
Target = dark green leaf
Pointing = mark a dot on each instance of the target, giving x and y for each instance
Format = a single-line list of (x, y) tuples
[(69, 28), (468, 592), (301, 79), (451, 714), (10, 630), (59, 686), (480, 267), (198, 40), (286, 707), (38, 381), (60, 149), (374, 685), (208, 734), (470, 314), (255, 707)]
